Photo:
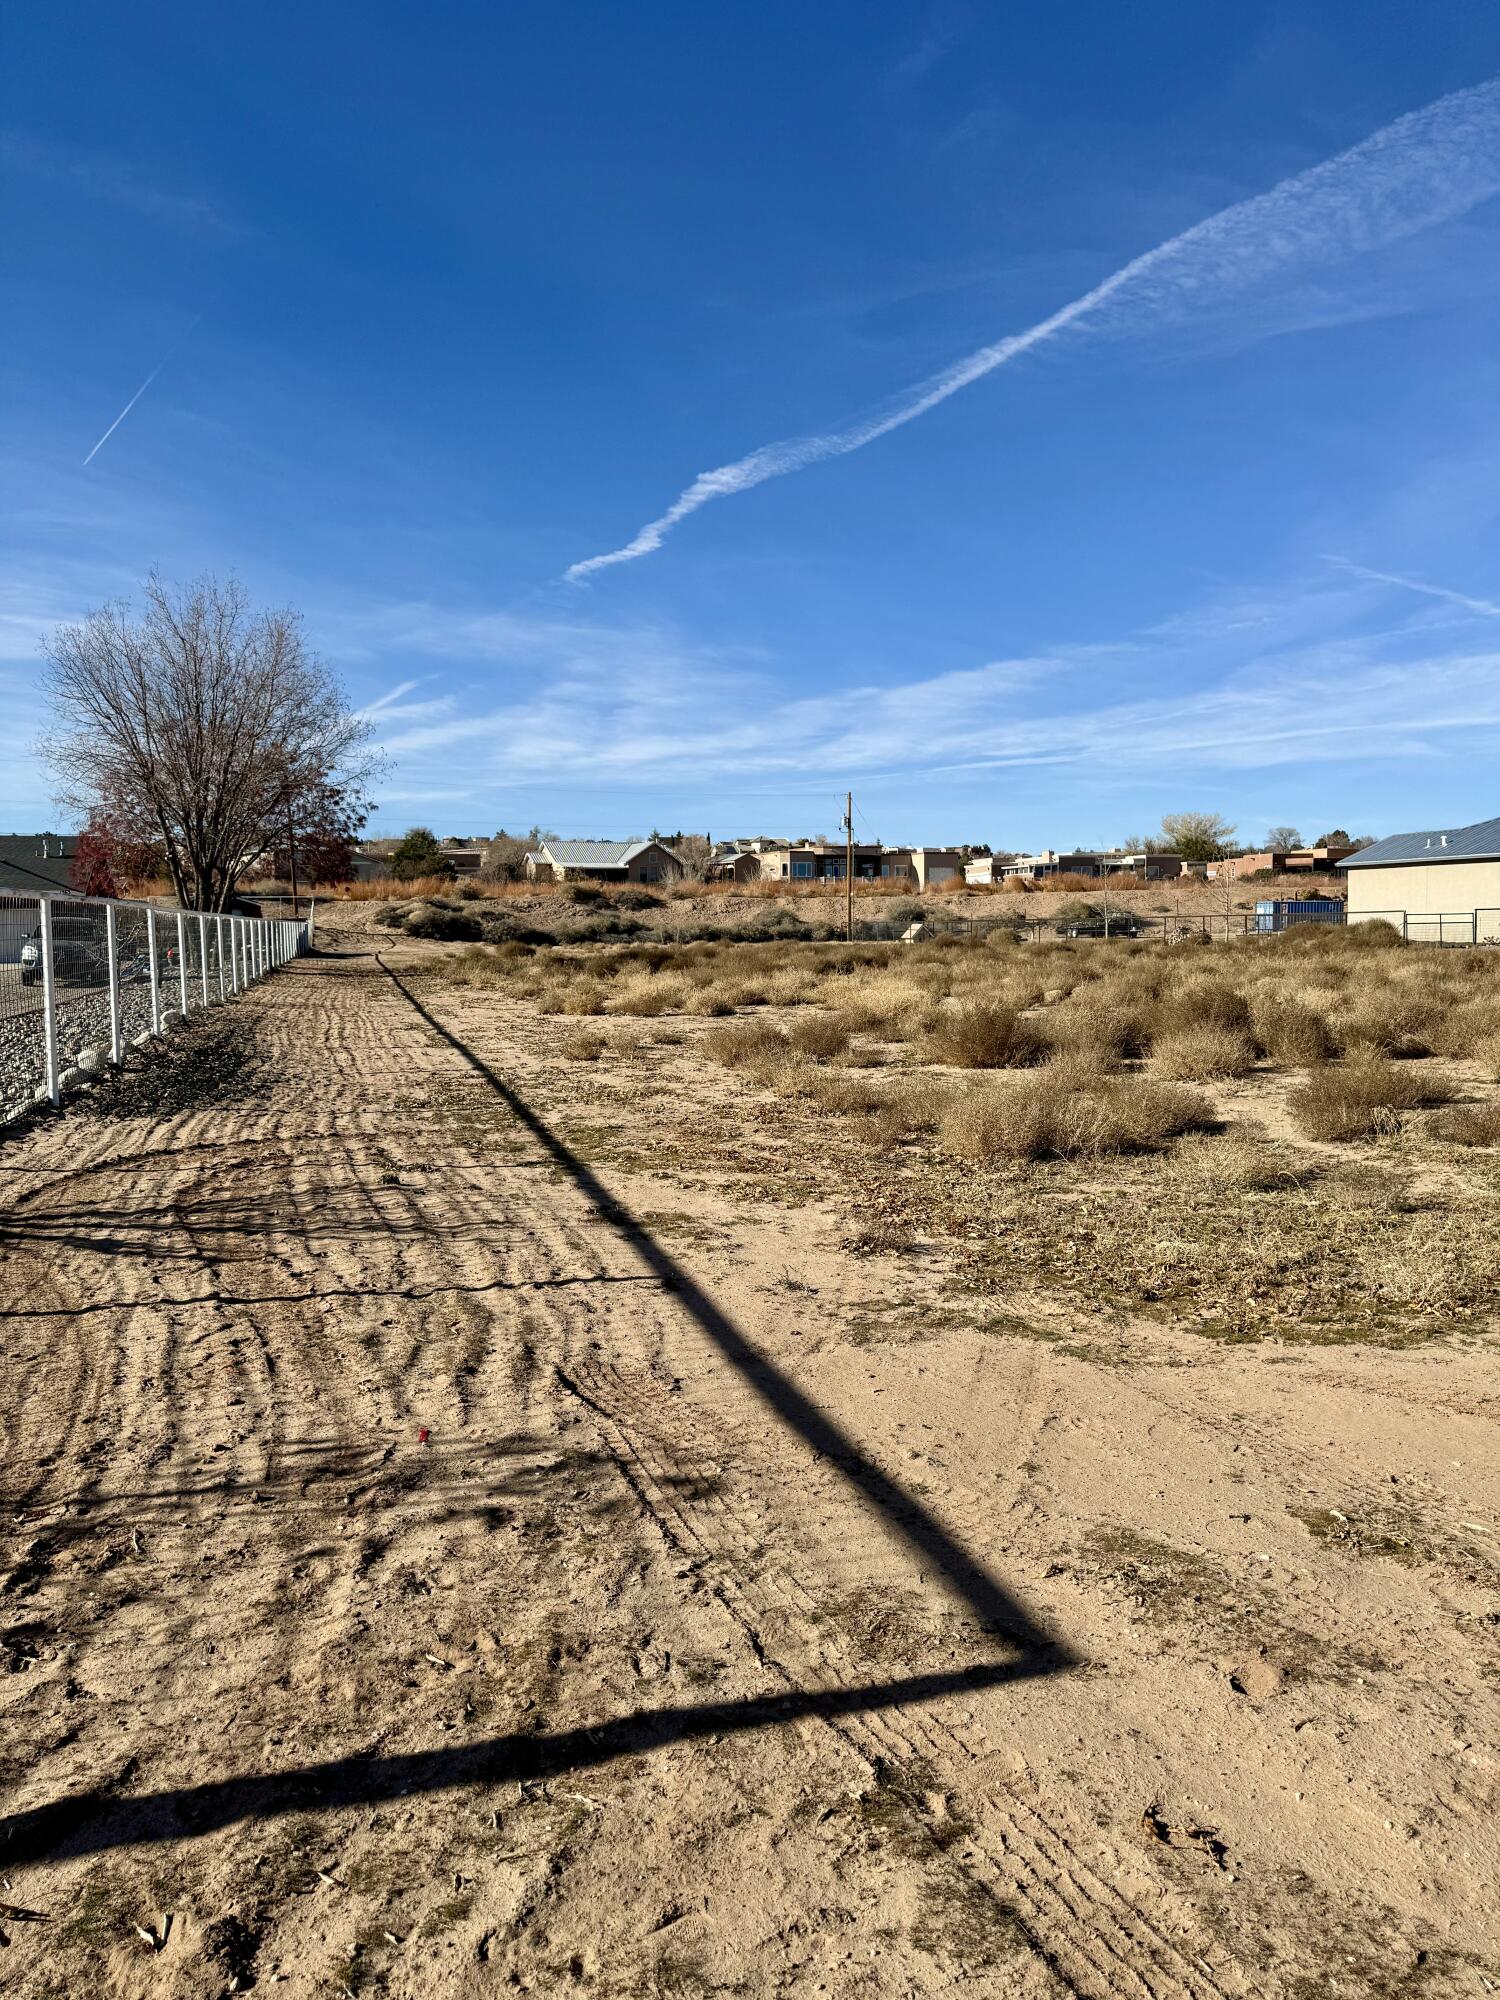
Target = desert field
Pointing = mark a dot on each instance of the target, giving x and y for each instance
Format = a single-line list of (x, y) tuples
[(762, 1465)]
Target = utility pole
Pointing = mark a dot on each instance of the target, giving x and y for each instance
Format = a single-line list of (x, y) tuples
[(849, 866), (291, 842)]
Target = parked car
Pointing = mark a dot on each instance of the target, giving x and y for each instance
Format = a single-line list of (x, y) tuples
[(80, 955), (1098, 927)]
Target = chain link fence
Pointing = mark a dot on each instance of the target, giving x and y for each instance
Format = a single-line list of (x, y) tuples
[(83, 978)]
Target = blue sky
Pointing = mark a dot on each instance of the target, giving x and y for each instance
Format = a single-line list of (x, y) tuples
[(446, 305)]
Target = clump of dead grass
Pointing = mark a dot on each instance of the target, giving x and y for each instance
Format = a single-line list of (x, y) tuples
[(1047, 1116), (979, 1034), (821, 1036), (1361, 1097), (1200, 1053), (1469, 1125), (1293, 1033), (740, 1044), (584, 1045), (1230, 1163)]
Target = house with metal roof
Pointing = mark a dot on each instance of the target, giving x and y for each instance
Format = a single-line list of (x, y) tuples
[(603, 861), (1441, 885), (37, 864)]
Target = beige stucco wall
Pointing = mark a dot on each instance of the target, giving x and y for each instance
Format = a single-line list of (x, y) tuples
[(1443, 888)]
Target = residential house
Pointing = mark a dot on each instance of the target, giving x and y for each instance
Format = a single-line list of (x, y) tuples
[(37, 864), (603, 861), (1442, 885), (737, 864), (932, 866), (465, 857), (1037, 867), (1145, 867), (1289, 861)]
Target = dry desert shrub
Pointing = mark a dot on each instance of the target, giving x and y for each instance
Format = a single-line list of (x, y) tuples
[(1470, 1125), (1293, 1033), (1233, 1163), (1094, 1031), (882, 1003), (915, 1105), (980, 1034), (1467, 1027), (582, 996), (834, 1090), (486, 966), (713, 1001), (1391, 1024), (647, 994), (1197, 1055), (1199, 1004), (743, 1042), (1359, 1097), (1045, 1117), (584, 1045), (821, 1036)]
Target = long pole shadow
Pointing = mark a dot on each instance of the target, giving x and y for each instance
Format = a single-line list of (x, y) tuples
[(985, 1596), (95, 1821)]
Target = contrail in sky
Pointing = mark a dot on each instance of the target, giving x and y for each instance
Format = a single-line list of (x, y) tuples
[(128, 408), (1426, 168), (1481, 606), (143, 388)]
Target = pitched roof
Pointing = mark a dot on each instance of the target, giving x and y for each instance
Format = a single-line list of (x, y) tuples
[(596, 853), (1480, 842), (32, 864)]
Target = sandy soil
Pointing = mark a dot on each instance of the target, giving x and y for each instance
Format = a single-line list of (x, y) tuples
[(453, 1546)]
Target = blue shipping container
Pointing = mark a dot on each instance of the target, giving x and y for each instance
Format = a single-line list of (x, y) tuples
[(1279, 915)]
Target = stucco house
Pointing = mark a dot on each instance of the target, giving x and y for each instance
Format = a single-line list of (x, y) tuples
[(1441, 886), (603, 861)]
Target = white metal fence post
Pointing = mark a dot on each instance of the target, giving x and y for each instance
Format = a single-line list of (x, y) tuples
[(182, 961), (49, 1001), (151, 970), (219, 947), (111, 948), (236, 965), (203, 954)]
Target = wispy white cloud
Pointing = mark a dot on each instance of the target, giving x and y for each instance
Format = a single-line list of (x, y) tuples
[(101, 177), (551, 704), (1429, 167), (1482, 607)]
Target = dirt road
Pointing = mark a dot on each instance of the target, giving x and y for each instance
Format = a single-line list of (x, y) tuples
[(444, 1557)]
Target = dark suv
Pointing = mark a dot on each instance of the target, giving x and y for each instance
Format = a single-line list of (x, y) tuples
[(80, 954)]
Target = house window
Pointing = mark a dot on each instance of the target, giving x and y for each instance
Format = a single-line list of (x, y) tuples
[(801, 868)]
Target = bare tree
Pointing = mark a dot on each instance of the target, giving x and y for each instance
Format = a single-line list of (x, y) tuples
[(202, 725), (1282, 840), (695, 852)]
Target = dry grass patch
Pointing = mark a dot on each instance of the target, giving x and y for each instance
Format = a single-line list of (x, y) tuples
[(742, 1043), (1293, 1033), (1196, 1055), (584, 1045), (1469, 1125), (1048, 1116), (1361, 1097), (979, 1034), (1231, 1163), (821, 1036), (1392, 1024)]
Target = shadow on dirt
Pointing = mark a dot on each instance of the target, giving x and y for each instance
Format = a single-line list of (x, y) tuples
[(100, 1819)]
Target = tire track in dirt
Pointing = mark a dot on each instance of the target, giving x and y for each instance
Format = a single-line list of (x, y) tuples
[(1087, 1930)]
